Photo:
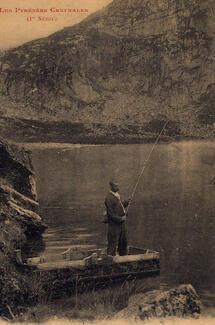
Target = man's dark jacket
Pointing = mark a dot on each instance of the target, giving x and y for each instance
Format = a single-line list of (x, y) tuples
[(115, 208)]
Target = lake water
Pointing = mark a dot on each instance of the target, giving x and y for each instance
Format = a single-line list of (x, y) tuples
[(173, 210)]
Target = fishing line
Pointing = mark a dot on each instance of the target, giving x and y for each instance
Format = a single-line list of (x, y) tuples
[(145, 165)]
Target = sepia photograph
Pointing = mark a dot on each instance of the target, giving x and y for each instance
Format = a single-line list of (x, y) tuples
[(107, 162)]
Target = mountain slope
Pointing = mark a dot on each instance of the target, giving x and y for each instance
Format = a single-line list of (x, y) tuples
[(130, 66)]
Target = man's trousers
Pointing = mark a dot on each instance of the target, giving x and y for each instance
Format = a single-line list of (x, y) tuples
[(117, 239)]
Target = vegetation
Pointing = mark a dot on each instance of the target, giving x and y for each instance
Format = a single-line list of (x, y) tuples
[(207, 112), (89, 305)]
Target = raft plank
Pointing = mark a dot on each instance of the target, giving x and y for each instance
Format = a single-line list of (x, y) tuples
[(63, 264), (80, 264), (135, 258)]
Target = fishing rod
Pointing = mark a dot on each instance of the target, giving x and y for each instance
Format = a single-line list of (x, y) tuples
[(145, 165)]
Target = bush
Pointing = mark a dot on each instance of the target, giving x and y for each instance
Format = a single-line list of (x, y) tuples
[(156, 125), (15, 294), (207, 102)]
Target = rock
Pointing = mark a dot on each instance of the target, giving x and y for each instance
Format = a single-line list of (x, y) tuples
[(132, 309), (212, 181), (17, 189), (30, 221), (15, 196), (16, 207), (181, 302), (19, 223), (16, 170)]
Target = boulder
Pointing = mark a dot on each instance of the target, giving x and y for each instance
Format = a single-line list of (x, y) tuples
[(181, 302), (21, 210)]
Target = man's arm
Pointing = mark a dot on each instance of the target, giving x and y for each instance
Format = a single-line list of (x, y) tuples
[(110, 211), (126, 202)]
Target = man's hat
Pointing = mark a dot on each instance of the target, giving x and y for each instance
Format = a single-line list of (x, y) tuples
[(113, 183)]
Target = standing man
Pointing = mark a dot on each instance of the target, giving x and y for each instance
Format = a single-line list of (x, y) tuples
[(116, 217)]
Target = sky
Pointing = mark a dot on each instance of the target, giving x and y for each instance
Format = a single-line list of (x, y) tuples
[(15, 29)]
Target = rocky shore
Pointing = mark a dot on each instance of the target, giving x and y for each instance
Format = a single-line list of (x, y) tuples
[(19, 222)]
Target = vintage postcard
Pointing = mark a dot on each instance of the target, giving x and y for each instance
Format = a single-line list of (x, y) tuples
[(107, 161)]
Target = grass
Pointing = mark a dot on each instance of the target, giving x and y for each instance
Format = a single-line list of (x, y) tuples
[(95, 304)]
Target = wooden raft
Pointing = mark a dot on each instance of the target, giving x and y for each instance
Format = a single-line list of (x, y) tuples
[(82, 270), (97, 263)]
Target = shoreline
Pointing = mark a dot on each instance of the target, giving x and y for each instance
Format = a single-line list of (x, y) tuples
[(75, 145), (23, 130), (117, 141)]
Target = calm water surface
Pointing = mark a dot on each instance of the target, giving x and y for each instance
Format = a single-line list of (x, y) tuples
[(172, 212)]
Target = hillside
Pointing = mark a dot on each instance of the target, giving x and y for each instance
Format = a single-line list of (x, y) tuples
[(118, 75)]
